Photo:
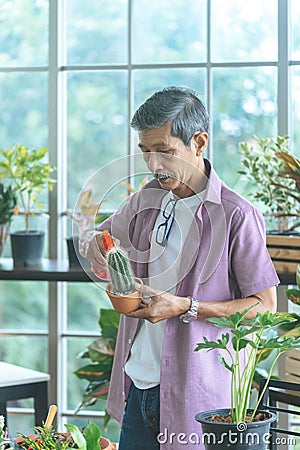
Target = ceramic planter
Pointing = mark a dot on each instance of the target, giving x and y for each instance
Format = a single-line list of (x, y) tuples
[(125, 303), (76, 261), (241, 436), (27, 248)]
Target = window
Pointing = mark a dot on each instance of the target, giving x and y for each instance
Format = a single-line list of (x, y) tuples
[(104, 59)]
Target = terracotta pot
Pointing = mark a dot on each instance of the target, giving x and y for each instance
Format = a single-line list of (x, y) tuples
[(125, 303), (105, 444)]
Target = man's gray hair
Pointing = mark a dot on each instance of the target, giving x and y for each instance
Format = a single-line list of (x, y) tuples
[(173, 105)]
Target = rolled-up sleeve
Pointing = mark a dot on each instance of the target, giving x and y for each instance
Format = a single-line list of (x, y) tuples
[(251, 264)]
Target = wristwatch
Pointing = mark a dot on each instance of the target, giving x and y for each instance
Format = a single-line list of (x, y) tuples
[(192, 313)]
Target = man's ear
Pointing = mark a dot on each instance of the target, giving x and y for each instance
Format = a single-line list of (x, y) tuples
[(200, 140)]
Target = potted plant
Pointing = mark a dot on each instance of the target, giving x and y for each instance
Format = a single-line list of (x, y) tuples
[(121, 290), (5, 442), (7, 209), (100, 354), (253, 336), (29, 175), (86, 217), (274, 173), (48, 438)]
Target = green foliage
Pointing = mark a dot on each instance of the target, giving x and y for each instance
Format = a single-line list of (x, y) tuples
[(265, 168), (48, 438), (294, 294), (254, 336), (8, 202), (88, 214), (87, 441), (29, 175), (101, 354)]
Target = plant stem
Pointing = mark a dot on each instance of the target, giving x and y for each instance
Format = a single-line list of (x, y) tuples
[(265, 386)]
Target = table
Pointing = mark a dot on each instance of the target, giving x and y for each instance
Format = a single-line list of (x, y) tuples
[(17, 382)]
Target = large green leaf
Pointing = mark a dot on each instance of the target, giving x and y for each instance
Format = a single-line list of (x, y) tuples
[(91, 372), (92, 436), (76, 435), (109, 323)]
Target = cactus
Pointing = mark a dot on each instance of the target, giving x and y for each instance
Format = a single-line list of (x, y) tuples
[(121, 275)]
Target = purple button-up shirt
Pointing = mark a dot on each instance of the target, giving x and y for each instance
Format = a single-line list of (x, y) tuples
[(224, 257)]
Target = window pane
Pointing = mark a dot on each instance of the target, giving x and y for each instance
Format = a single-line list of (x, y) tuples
[(73, 385), (84, 303), (24, 306), (244, 104), (24, 33), (295, 25), (97, 126), (147, 81), (23, 109), (167, 31), (26, 351), (96, 31), (244, 31), (295, 100)]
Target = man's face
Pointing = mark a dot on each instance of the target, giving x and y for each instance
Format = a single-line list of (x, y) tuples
[(169, 159)]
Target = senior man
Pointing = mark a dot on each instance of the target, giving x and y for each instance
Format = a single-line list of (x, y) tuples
[(200, 249)]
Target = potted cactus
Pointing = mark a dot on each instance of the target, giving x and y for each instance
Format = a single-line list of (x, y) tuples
[(120, 290)]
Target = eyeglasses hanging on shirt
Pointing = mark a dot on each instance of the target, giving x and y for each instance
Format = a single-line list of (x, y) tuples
[(163, 230)]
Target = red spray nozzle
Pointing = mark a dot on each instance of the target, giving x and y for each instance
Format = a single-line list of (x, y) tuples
[(107, 241)]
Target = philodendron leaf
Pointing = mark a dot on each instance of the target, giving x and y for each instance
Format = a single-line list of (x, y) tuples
[(210, 345), (76, 435), (282, 343), (225, 364), (92, 436), (239, 344), (234, 320)]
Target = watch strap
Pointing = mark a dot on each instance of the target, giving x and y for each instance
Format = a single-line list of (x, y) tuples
[(192, 312)]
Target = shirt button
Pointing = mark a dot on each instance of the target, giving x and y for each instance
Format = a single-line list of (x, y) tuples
[(167, 362), (129, 341)]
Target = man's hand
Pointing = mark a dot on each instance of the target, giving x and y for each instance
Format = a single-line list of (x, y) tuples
[(162, 305), (91, 247)]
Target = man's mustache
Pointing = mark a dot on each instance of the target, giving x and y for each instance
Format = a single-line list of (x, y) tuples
[(163, 176)]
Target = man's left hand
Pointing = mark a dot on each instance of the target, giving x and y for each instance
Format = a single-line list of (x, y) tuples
[(162, 305)]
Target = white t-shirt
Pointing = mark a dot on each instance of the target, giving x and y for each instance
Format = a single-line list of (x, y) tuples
[(143, 365)]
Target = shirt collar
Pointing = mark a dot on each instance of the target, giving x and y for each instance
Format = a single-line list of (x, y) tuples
[(212, 192)]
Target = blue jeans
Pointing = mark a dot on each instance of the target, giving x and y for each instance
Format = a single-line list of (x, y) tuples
[(141, 420)]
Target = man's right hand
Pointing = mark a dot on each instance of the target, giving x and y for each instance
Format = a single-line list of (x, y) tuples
[(91, 247)]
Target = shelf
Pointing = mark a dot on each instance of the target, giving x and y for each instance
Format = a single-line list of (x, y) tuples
[(53, 270), (50, 270)]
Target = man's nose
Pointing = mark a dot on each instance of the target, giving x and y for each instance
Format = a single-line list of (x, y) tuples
[(155, 162)]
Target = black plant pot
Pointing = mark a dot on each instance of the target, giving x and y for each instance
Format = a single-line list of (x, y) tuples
[(75, 259), (27, 248), (220, 435)]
